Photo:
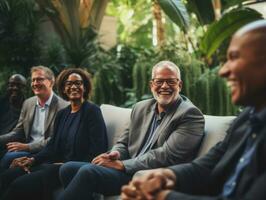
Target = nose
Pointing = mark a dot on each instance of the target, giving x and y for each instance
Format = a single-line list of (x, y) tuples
[(224, 70), (73, 86), (15, 87), (165, 85)]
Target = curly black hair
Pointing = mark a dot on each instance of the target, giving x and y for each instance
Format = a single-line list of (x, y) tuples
[(63, 76)]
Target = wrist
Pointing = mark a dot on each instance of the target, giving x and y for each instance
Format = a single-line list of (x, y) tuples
[(122, 167), (27, 147), (32, 161), (162, 195)]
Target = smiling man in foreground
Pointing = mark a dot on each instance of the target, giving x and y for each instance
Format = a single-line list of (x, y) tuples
[(234, 169)]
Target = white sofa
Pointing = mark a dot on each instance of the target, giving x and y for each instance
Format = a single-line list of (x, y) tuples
[(116, 119)]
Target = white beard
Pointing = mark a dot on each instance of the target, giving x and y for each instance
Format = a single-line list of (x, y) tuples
[(164, 101)]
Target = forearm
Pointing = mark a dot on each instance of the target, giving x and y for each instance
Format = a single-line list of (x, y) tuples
[(35, 147), (11, 137)]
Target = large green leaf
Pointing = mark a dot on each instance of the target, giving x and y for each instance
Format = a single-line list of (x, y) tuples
[(203, 9), (224, 28), (229, 3), (176, 11)]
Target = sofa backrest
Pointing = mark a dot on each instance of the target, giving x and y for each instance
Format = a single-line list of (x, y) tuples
[(215, 131), (117, 119)]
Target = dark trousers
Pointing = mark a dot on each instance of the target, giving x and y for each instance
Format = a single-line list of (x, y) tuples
[(39, 184), (81, 180), (10, 156)]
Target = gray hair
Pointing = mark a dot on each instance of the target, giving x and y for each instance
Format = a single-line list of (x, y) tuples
[(48, 72), (166, 64)]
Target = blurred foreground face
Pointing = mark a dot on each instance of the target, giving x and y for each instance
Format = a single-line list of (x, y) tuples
[(40, 84), (245, 69), (165, 86)]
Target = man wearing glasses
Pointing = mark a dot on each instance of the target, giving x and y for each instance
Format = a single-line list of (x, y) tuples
[(36, 120), (163, 131)]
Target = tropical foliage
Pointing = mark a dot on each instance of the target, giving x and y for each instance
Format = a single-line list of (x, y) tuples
[(194, 34), (76, 22), (19, 42)]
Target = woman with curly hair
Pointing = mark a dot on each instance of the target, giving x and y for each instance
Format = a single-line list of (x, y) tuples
[(79, 135)]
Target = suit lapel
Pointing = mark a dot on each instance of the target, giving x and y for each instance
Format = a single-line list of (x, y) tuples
[(51, 113), (31, 117), (145, 127), (234, 151), (166, 120)]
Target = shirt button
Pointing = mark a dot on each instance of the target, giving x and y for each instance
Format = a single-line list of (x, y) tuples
[(241, 160), (254, 135), (234, 183)]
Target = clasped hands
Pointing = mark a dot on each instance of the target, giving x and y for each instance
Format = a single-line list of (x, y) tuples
[(24, 162), (110, 160), (149, 185)]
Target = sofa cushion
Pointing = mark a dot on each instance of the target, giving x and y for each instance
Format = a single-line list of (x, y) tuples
[(215, 131), (116, 120)]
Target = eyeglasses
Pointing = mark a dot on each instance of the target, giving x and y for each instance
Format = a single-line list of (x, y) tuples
[(38, 79), (160, 82), (77, 83)]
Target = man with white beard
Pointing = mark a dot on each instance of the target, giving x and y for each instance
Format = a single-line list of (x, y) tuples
[(163, 131)]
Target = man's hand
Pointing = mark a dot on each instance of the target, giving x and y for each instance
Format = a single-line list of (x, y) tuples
[(24, 162), (17, 146), (150, 185), (110, 160)]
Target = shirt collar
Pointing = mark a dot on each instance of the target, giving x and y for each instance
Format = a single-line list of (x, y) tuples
[(48, 102), (169, 109), (257, 118)]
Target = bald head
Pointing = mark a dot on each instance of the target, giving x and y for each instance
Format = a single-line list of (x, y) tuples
[(254, 35), (18, 78), (257, 26), (16, 88)]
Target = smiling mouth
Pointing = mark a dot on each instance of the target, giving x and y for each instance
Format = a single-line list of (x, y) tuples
[(74, 92), (231, 84), (165, 92)]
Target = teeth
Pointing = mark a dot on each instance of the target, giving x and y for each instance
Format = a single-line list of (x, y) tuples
[(165, 93), (231, 83)]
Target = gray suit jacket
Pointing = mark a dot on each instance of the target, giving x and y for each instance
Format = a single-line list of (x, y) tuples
[(22, 131), (176, 140)]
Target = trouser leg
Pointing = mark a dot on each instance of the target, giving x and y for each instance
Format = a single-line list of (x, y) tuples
[(69, 170), (10, 156), (39, 184), (94, 179)]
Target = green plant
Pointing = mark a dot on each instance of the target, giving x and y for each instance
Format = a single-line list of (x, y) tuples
[(223, 29), (20, 46), (76, 22)]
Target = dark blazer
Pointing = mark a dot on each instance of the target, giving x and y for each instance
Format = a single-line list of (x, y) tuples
[(176, 140), (207, 175), (90, 138), (22, 131), (9, 115)]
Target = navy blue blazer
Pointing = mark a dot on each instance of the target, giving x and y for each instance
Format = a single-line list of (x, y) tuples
[(90, 138), (208, 174)]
